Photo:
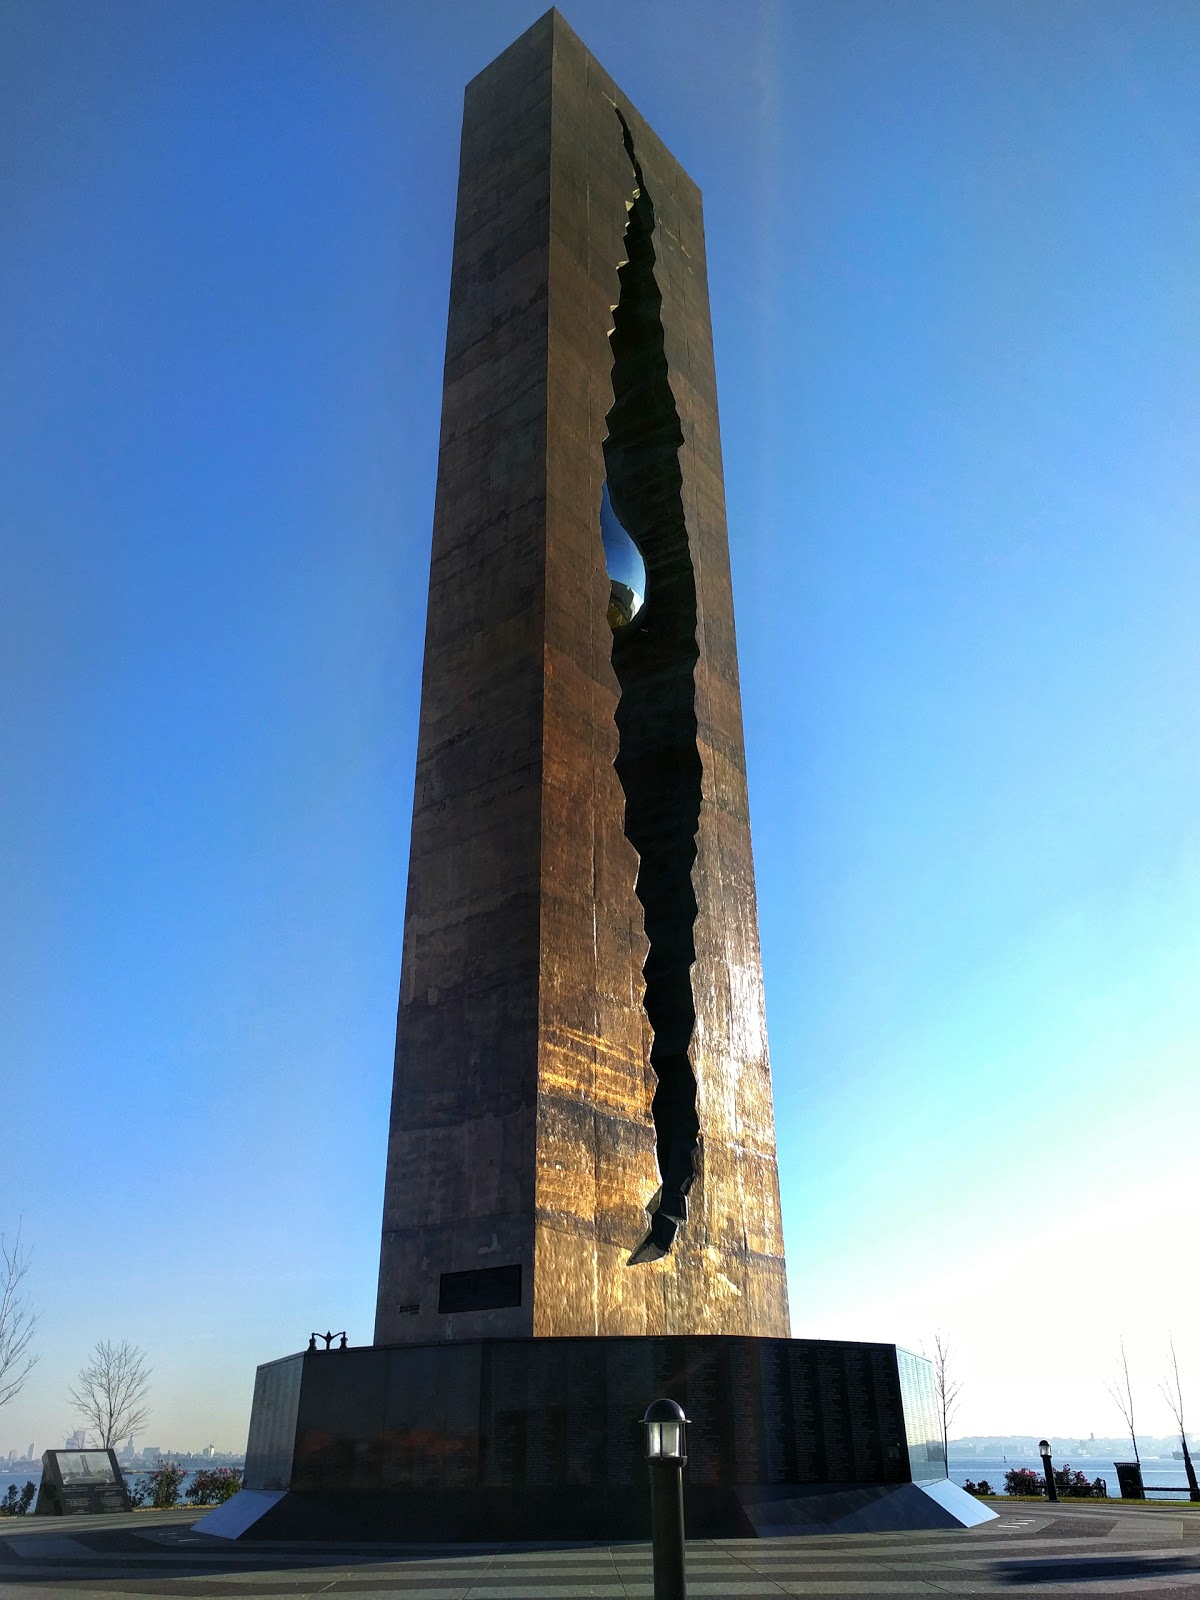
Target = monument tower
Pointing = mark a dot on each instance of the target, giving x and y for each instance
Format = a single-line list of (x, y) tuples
[(581, 1007), (581, 1206)]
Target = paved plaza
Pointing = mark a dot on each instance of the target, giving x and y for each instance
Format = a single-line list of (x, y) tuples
[(1070, 1550)]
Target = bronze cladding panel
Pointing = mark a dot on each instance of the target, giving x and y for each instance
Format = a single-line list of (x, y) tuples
[(521, 1128)]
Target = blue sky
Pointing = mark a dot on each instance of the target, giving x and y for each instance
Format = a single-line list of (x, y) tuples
[(953, 258)]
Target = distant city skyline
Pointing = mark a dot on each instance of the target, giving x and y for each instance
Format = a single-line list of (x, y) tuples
[(204, 1452), (951, 258)]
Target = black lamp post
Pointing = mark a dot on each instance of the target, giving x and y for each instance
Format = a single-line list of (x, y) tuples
[(1048, 1469), (666, 1451)]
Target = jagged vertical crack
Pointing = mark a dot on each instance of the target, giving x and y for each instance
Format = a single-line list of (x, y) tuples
[(654, 656)]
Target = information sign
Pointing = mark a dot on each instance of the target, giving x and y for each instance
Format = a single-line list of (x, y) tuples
[(76, 1482)]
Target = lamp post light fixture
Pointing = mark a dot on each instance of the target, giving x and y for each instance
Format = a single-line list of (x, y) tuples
[(666, 1452), (1048, 1469), (328, 1338)]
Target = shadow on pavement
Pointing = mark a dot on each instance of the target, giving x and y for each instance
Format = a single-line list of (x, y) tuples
[(184, 1554), (1096, 1569)]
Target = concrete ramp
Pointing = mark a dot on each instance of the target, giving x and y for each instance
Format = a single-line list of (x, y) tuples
[(873, 1508), (239, 1513)]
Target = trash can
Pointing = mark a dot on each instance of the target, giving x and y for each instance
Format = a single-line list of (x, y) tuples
[(1129, 1476)]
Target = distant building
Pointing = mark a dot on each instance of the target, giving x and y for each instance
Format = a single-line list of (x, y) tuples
[(209, 1451), (30, 1456)]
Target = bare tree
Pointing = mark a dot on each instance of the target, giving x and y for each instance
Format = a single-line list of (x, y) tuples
[(1174, 1398), (1122, 1394), (17, 1319), (111, 1392), (947, 1388)]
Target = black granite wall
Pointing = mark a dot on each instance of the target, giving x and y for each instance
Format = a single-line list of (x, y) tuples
[(542, 1438), (526, 1413)]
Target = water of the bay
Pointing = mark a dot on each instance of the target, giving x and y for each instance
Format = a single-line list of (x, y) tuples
[(1155, 1471)]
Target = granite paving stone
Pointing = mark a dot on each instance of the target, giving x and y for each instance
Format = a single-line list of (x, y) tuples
[(1078, 1551)]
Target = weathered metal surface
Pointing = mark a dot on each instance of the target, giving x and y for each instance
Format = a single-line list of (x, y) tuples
[(521, 1130)]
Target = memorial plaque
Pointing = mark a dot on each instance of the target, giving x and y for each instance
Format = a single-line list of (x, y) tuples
[(545, 1411), (341, 1444), (503, 1416), (629, 1371), (270, 1449), (779, 1424), (891, 1414), (484, 1289), (431, 1420), (926, 1457), (864, 1416), (835, 1417), (703, 1394), (76, 1482), (745, 1406), (584, 1417), (807, 1429)]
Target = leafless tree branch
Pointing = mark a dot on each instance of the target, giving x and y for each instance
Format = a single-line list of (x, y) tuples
[(1122, 1396), (110, 1392), (17, 1320), (1173, 1394), (947, 1387)]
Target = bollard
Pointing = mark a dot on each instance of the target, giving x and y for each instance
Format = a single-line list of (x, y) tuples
[(1048, 1469), (666, 1452)]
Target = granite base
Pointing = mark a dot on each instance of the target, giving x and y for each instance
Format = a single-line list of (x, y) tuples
[(541, 1439)]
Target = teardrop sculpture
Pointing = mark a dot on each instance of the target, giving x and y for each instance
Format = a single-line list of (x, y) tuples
[(626, 569)]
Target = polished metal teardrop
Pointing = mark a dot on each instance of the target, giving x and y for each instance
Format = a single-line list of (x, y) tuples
[(626, 569)]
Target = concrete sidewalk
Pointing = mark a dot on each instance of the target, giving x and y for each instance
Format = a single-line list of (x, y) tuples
[(1076, 1550)]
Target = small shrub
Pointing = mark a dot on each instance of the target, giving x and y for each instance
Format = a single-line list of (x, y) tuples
[(162, 1485), (214, 1485), (1022, 1480), (136, 1484), (1076, 1485), (17, 1501), (982, 1487)]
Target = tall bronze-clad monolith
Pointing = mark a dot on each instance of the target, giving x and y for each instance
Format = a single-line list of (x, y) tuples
[(582, 1204), (581, 1060)]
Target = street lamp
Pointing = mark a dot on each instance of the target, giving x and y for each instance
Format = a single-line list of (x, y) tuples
[(1048, 1469), (666, 1452), (328, 1338)]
